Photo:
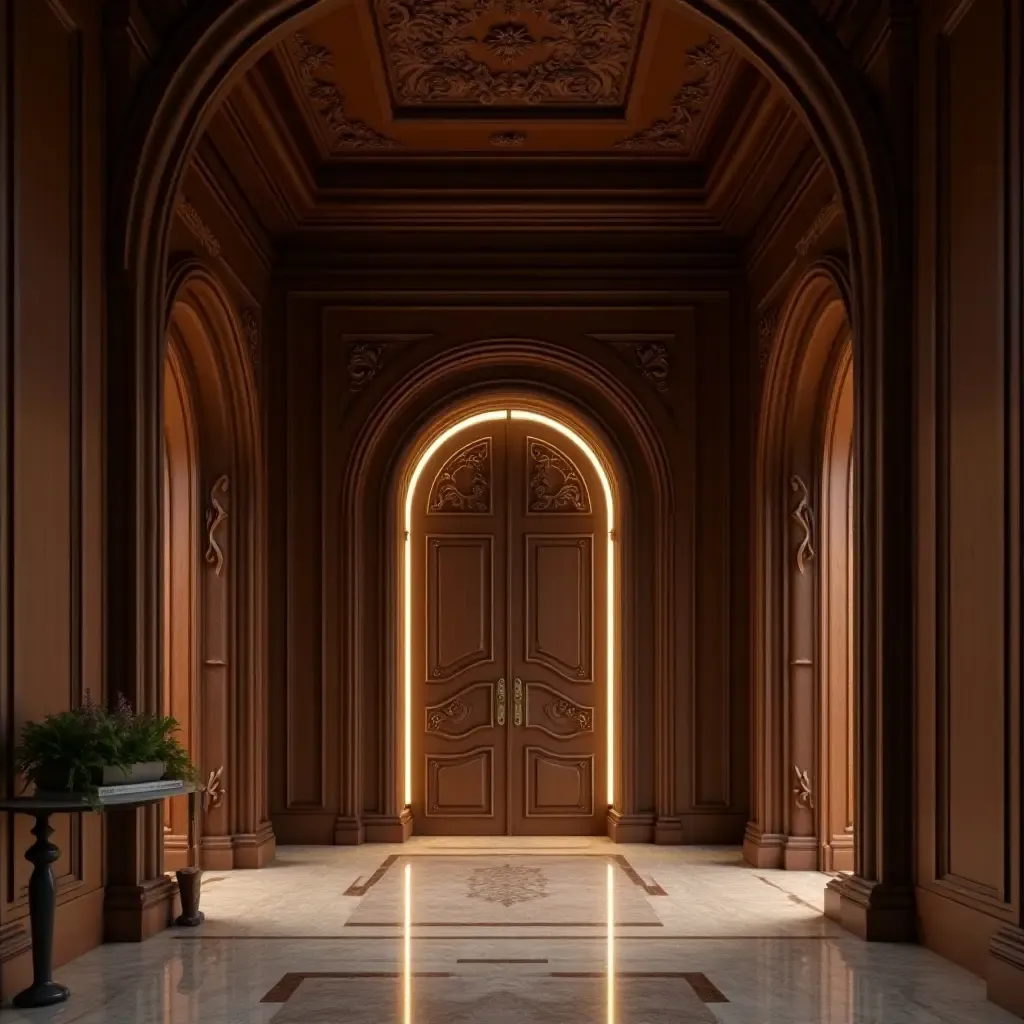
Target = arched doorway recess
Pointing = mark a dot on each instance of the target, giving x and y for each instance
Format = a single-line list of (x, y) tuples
[(804, 692), (508, 643), (430, 395), (213, 573), (832, 97)]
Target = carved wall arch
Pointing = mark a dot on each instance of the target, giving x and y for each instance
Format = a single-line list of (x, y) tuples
[(179, 94), (207, 340), (811, 356)]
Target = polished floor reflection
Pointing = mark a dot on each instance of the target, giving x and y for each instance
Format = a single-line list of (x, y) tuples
[(552, 931)]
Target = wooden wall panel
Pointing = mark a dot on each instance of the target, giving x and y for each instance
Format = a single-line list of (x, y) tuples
[(51, 376)]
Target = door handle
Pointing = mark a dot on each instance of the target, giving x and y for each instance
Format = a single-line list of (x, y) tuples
[(517, 701), (501, 701)]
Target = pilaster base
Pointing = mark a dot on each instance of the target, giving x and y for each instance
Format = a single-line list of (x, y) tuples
[(800, 853), (1005, 969), (762, 849), (388, 828), (668, 830), (254, 849), (134, 913), (349, 832), (216, 853), (629, 828), (871, 910)]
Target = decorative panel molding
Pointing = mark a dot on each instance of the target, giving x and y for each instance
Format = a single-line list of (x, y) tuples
[(463, 483), (558, 714), (558, 785), (460, 604), (555, 483), (559, 590), (463, 714), (460, 785)]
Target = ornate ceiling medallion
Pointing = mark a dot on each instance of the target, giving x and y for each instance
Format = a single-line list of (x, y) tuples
[(346, 132), (562, 53), (676, 132)]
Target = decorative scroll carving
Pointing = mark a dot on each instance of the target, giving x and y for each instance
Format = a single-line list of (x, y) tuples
[(213, 796), (581, 54), (652, 361), (463, 483), (365, 361), (251, 330), (802, 789), (508, 140), (556, 485), (215, 515), (804, 518), (766, 328), (346, 132), (454, 710), (678, 129), (563, 709), (817, 228), (195, 223)]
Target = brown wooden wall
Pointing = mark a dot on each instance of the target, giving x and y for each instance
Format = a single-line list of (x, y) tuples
[(314, 384), (968, 359), (51, 458)]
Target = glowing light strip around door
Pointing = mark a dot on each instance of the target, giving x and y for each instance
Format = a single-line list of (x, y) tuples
[(410, 494)]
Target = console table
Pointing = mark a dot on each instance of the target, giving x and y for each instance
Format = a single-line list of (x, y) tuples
[(42, 889)]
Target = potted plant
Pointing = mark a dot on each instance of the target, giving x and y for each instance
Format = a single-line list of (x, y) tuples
[(79, 750)]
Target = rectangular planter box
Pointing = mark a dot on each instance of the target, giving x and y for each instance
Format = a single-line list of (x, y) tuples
[(150, 771)]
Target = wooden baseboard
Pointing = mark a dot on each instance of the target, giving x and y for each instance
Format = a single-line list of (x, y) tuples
[(871, 910), (134, 913), (252, 850), (388, 829), (630, 828), (1005, 969)]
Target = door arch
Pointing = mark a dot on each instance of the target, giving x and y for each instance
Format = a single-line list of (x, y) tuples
[(509, 647)]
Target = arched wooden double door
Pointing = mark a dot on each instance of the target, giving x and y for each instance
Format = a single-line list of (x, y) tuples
[(509, 594)]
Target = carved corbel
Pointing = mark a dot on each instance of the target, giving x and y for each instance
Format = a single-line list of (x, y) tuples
[(804, 518), (215, 516)]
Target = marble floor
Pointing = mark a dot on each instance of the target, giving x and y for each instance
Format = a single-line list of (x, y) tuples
[(559, 931)]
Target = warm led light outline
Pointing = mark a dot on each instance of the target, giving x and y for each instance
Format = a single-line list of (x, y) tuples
[(432, 448), (611, 943), (407, 948)]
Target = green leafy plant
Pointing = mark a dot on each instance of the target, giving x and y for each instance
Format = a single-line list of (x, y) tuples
[(68, 751)]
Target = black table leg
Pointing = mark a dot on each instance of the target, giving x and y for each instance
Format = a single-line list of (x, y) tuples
[(42, 905)]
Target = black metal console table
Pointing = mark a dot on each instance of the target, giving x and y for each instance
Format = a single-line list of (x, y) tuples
[(42, 889)]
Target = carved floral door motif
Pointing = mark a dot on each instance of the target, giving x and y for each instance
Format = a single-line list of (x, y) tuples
[(508, 574)]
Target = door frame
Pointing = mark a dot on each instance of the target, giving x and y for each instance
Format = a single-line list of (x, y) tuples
[(430, 442)]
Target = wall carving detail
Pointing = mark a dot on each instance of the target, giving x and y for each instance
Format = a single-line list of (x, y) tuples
[(653, 363), (213, 795), (766, 328), (365, 361), (817, 228), (199, 228), (802, 789), (215, 516), (454, 710), (508, 139), (677, 130), (563, 709), (463, 483), (251, 331), (570, 52), (804, 518), (556, 485), (346, 132)]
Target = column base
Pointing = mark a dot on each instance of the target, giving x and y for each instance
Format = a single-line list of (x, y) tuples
[(1005, 969), (668, 830), (349, 832), (254, 849), (384, 828), (762, 849), (871, 910), (629, 828), (216, 853), (800, 853), (134, 913)]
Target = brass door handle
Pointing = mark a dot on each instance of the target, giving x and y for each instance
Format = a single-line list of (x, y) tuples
[(501, 701), (517, 701)]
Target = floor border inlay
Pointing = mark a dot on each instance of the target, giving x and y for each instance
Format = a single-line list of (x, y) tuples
[(289, 984)]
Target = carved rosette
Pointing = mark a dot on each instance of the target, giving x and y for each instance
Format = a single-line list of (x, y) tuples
[(365, 361), (678, 129), (572, 53), (463, 483), (804, 519), (556, 485), (653, 364)]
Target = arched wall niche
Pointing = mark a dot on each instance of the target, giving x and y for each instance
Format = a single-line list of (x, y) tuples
[(805, 426), (408, 406), (206, 355), (180, 93)]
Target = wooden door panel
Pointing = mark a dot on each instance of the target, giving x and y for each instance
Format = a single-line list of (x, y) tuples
[(558, 786), (556, 484), (551, 711), (462, 786), (559, 604), (471, 709), (460, 602)]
